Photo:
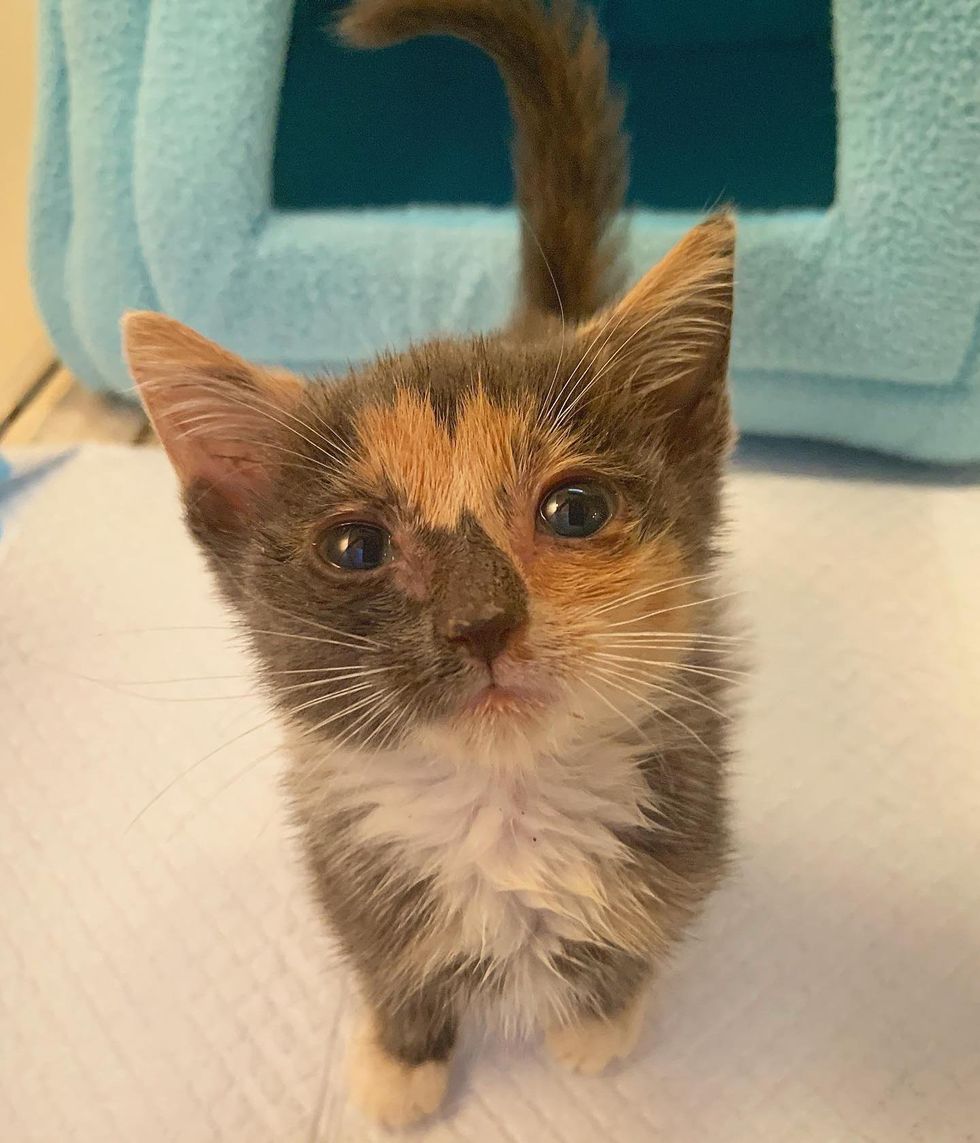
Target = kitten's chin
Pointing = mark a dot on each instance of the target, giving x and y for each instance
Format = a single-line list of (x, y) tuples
[(505, 709), (496, 701), (505, 723)]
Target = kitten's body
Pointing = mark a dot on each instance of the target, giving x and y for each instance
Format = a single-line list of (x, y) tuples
[(539, 889), (507, 741)]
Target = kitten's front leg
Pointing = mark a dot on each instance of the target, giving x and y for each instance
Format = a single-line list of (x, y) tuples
[(603, 1025), (591, 1043), (399, 1063)]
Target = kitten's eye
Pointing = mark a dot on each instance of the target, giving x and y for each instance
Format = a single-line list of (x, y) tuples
[(356, 547), (577, 509)]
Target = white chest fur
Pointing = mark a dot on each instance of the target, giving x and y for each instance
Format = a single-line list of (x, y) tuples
[(517, 843)]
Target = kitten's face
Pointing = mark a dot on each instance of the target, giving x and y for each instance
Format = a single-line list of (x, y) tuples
[(470, 539)]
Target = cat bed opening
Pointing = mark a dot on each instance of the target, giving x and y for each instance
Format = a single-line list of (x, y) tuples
[(178, 169), (724, 103)]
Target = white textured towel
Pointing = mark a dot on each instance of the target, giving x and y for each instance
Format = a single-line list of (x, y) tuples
[(163, 976)]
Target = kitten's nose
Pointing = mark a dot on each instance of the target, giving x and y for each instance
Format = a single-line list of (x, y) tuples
[(485, 631)]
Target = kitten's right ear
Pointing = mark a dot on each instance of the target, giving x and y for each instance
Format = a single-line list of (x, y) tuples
[(217, 415), (665, 344)]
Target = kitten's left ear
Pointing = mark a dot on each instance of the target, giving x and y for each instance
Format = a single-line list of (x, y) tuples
[(218, 416), (667, 340)]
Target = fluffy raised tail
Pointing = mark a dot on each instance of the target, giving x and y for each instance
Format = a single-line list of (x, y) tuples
[(569, 153)]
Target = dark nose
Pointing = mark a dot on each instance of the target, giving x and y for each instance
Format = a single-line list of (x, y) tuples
[(485, 632)]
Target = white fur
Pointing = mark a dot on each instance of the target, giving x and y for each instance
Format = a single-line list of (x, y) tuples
[(590, 1046), (388, 1091), (511, 824)]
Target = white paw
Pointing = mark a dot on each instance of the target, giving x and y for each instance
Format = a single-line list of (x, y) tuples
[(590, 1046), (390, 1092)]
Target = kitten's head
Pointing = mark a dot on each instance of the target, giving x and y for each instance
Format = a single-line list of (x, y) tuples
[(472, 538)]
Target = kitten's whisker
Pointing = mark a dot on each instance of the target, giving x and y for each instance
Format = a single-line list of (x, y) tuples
[(211, 798), (228, 629), (663, 382), (574, 399), (216, 678), (666, 647), (200, 762), (621, 673), (678, 607), (338, 442), (321, 699), (556, 420), (567, 409), (561, 307), (408, 710), (614, 319), (387, 701), (722, 674), (567, 388), (256, 401), (331, 679), (320, 626), (351, 708), (613, 682), (615, 709), (676, 636), (647, 589), (286, 613), (369, 709), (615, 640), (266, 445), (375, 707), (650, 678), (181, 698), (690, 327), (363, 720), (391, 720), (306, 638), (656, 589), (614, 358), (600, 373)]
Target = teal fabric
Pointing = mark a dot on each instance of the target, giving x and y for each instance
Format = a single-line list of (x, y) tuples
[(5, 488), (681, 22), (166, 161), (427, 121)]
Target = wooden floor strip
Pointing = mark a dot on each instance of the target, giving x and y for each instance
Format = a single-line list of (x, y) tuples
[(32, 414), (58, 411), (16, 397)]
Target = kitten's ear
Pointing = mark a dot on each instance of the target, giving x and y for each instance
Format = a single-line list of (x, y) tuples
[(667, 340), (216, 414)]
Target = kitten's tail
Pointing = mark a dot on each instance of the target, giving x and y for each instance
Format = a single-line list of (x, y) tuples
[(570, 155)]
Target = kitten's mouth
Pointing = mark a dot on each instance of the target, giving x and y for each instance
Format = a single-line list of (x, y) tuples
[(494, 699)]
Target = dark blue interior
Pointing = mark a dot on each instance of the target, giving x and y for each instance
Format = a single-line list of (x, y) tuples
[(728, 100)]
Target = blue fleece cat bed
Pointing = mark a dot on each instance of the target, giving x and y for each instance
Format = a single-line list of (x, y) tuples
[(226, 163)]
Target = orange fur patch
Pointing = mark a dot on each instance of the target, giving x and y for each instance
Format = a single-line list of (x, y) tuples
[(578, 580), (440, 475)]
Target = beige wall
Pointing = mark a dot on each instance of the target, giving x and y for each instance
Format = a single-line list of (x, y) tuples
[(23, 347)]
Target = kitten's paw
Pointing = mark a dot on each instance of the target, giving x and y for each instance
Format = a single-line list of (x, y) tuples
[(390, 1092), (591, 1045)]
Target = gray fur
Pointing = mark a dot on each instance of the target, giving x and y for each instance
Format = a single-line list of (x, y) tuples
[(611, 831)]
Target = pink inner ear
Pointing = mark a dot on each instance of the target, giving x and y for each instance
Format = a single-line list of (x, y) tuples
[(669, 335), (216, 414), (226, 467), (215, 432)]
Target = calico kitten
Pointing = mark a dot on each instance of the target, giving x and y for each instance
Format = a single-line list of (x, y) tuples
[(477, 577)]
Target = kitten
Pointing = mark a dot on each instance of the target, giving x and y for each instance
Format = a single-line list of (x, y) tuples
[(477, 577)]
